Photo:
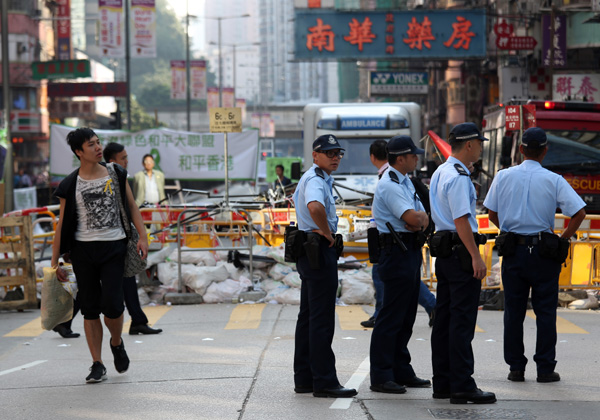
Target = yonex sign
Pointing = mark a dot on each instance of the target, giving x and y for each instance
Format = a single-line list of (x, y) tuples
[(397, 83)]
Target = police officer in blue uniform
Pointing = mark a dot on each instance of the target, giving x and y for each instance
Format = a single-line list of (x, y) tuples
[(314, 361), (530, 195), (397, 205), (459, 269)]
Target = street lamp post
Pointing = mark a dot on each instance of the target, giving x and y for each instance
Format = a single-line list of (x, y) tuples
[(219, 19), (233, 46)]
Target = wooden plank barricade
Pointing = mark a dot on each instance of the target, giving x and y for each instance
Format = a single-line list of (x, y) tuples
[(17, 262)]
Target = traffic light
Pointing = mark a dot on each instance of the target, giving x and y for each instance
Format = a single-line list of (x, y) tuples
[(115, 123)]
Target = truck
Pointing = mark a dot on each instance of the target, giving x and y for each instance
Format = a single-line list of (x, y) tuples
[(573, 130), (356, 126)]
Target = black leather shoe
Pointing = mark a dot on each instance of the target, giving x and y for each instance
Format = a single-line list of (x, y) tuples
[(143, 329), (369, 323), (65, 332), (548, 377), (337, 392), (431, 318), (390, 387), (516, 376), (441, 395), (476, 397), (416, 382), (303, 389)]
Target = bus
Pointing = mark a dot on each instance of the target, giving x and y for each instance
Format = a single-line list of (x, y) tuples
[(573, 130), (356, 126)]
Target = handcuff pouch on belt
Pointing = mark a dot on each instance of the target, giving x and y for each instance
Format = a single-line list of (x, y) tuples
[(506, 244), (464, 257), (294, 240), (440, 244), (553, 247), (373, 244)]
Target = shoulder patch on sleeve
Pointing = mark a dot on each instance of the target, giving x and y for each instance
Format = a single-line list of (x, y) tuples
[(394, 177), (460, 169), (319, 173)]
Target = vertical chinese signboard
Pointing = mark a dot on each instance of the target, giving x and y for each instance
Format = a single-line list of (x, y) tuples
[(63, 25), (198, 79), (558, 43), (112, 28), (178, 76), (143, 28), (328, 34)]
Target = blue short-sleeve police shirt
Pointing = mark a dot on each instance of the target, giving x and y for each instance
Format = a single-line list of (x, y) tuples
[(392, 200), (452, 195), (526, 198), (312, 187)]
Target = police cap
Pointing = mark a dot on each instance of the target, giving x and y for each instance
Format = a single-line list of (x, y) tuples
[(326, 142), (534, 137), (465, 132), (402, 145)]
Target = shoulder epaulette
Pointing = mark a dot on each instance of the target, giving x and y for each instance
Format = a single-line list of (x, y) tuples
[(394, 177), (460, 169), (319, 172)]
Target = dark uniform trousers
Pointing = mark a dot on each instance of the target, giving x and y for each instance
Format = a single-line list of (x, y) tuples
[(454, 326), (399, 272), (132, 302), (314, 361), (520, 272)]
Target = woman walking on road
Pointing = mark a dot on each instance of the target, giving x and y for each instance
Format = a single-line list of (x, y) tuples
[(91, 230)]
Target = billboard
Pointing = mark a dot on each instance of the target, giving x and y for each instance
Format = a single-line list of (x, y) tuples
[(449, 34)]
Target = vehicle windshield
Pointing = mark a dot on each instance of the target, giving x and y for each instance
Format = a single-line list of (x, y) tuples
[(573, 150), (356, 160)]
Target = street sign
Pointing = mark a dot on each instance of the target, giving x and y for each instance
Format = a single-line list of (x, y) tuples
[(64, 69), (516, 42), (225, 120), (87, 89), (397, 83), (529, 116)]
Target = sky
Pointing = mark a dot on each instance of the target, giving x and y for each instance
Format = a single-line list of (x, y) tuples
[(196, 8)]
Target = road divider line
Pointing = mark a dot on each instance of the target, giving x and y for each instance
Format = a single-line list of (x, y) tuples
[(23, 367), (31, 329), (562, 325), (351, 316), (355, 382), (245, 317), (153, 313)]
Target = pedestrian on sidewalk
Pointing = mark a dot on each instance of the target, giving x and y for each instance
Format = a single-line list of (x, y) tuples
[(90, 229)]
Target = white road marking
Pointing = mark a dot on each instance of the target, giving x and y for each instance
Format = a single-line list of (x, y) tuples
[(28, 365), (354, 382)]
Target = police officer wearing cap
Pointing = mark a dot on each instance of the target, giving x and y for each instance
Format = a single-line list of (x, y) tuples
[(314, 361), (452, 197), (396, 204), (529, 196)]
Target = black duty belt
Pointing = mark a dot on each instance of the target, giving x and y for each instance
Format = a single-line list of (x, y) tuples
[(386, 239), (529, 240)]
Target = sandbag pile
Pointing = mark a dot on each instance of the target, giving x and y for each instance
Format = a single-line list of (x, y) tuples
[(216, 280)]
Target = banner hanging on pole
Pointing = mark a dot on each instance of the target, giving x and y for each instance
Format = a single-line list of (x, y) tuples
[(112, 28), (198, 79), (143, 25), (178, 82), (179, 155)]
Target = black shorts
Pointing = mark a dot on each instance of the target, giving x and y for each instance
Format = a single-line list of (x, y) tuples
[(98, 267)]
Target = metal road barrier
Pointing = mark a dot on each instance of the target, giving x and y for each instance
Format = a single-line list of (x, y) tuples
[(209, 230)]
